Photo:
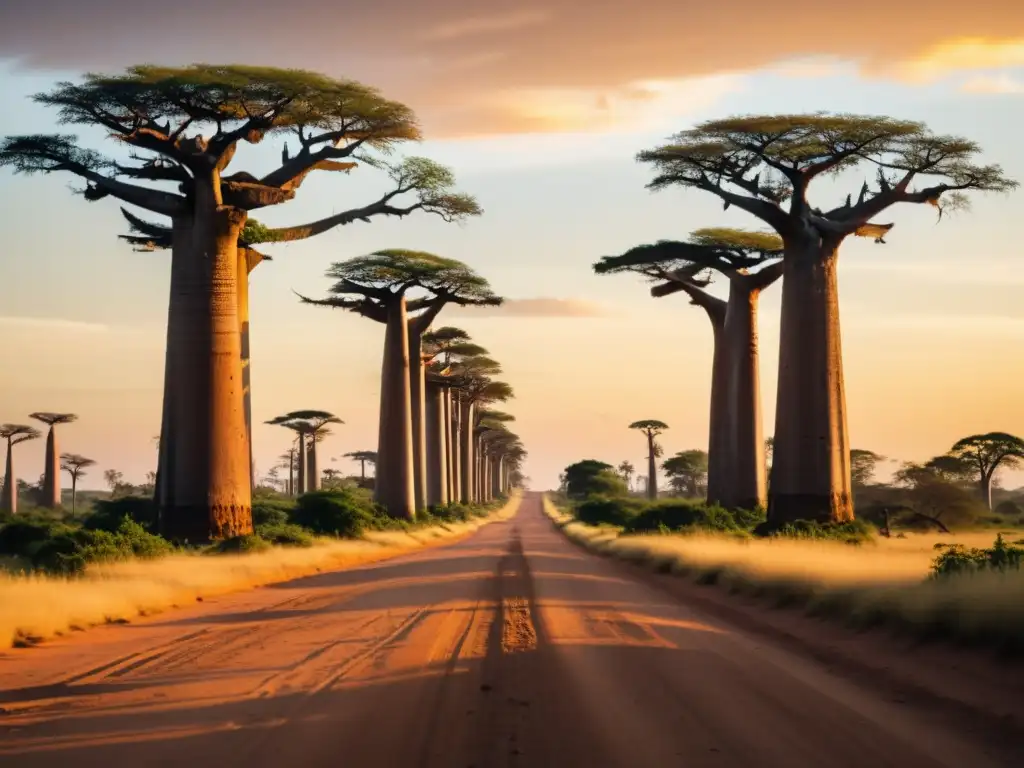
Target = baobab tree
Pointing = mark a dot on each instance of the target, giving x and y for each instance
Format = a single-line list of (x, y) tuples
[(627, 470), (475, 386), (14, 434), (378, 287), (758, 164), (51, 471), (161, 113), (651, 428), (750, 261), (75, 466), (364, 458), (316, 424), (301, 429), (985, 454)]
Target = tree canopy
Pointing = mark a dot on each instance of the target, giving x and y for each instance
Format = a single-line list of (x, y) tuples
[(311, 422), (687, 471), (650, 427), (18, 433), (862, 465), (987, 452), (53, 418), (759, 162)]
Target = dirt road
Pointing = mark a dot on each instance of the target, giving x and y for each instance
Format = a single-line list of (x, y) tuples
[(509, 648)]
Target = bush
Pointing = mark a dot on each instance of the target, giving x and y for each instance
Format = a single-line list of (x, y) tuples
[(239, 545), (679, 516), (271, 511), (21, 537), (69, 550), (285, 534), (108, 513), (956, 558), (1008, 508), (336, 513), (608, 511), (853, 532)]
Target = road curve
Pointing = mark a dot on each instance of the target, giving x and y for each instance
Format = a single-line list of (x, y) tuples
[(509, 648)]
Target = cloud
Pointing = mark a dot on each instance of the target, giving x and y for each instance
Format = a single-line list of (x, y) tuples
[(51, 323), (1002, 83), (474, 26), (521, 70), (536, 308)]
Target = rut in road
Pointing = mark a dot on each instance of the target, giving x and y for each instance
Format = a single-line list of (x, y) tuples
[(509, 648)]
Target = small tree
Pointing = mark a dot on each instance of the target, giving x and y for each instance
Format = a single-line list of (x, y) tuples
[(364, 458), (651, 428), (987, 453), (51, 472), (113, 479), (862, 466), (760, 163), (14, 434), (316, 424), (627, 470), (592, 478), (688, 472), (75, 466)]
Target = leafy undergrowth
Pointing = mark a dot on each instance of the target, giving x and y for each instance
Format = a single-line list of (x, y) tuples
[(35, 605), (930, 589)]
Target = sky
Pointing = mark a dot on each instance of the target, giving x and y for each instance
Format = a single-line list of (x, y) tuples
[(540, 111)]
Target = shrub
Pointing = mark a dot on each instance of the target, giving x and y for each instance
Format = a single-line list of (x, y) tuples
[(336, 513), (602, 511), (1009, 508), (69, 550), (22, 537), (285, 534), (678, 516), (853, 532), (108, 513), (956, 558), (246, 544), (267, 511)]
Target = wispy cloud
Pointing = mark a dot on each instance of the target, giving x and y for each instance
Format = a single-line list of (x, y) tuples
[(457, 29), (51, 323), (1002, 83), (962, 55), (537, 308)]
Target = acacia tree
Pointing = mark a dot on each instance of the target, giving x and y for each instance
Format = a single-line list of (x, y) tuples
[(75, 466), (627, 470), (985, 454), (759, 164), (862, 465), (736, 468), (687, 471), (160, 114), (364, 458), (651, 428), (14, 434), (51, 472), (378, 287), (316, 424)]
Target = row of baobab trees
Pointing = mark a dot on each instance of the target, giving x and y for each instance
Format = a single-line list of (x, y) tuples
[(176, 131), (764, 167), (54, 461)]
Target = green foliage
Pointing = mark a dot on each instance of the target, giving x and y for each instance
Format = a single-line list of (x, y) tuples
[(688, 471), (677, 516), (959, 559), (107, 514), (862, 465), (603, 511), (1009, 508), (69, 550), (272, 511), (285, 534), (593, 478), (715, 248), (336, 513), (247, 544), (649, 426), (853, 532)]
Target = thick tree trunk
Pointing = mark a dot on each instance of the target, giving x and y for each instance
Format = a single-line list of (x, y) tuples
[(719, 460), (291, 473), (394, 487), (744, 449), (811, 460), (466, 452), (446, 442), (300, 479), (74, 495), (245, 266), (652, 470), (10, 498), (455, 447), (51, 475), (417, 393), (210, 490), (985, 486), (437, 459), (312, 467)]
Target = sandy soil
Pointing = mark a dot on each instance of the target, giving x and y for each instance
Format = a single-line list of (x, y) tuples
[(512, 647)]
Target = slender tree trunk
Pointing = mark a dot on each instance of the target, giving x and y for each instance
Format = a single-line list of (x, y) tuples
[(466, 452), (455, 446), (437, 460), (417, 393), (652, 470), (811, 460), (74, 495), (446, 443), (312, 466), (245, 266), (719, 460), (362, 470), (395, 482), (303, 456), (291, 472), (10, 499), (51, 475), (986, 487)]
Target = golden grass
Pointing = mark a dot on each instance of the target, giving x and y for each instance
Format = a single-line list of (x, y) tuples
[(883, 582), (36, 607)]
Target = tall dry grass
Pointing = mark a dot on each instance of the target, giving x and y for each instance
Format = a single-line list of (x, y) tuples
[(885, 582), (36, 607)]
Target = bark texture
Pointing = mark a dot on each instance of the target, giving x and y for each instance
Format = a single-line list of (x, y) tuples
[(467, 455), (811, 460), (394, 487), (51, 476), (300, 478), (312, 468), (437, 460), (652, 469), (210, 494)]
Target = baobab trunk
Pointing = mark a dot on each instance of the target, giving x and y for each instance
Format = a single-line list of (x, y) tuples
[(10, 499), (811, 458), (466, 452), (985, 486), (51, 477), (74, 495), (417, 393), (211, 495), (437, 461), (719, 463), (312, 468), (652, 470), (449, 463), (300, 480), (291, 472), (246, 263), (394, 487), (456, 448)]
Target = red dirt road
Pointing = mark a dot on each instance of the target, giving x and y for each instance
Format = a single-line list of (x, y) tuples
[(509, 648)]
